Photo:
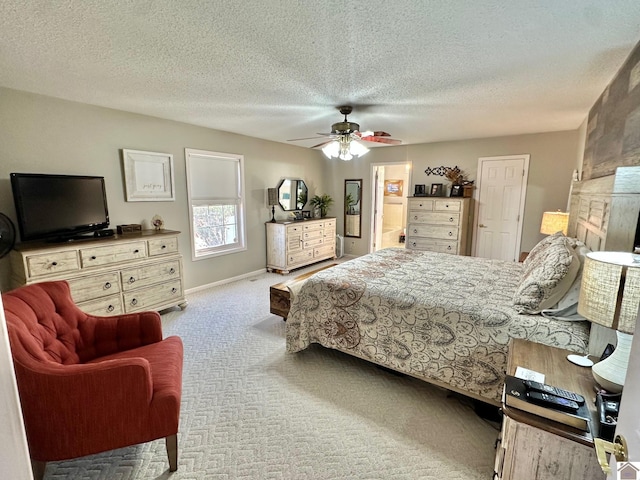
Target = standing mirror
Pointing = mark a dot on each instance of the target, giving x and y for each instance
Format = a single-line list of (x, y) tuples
[(292, 194), (352, 208)]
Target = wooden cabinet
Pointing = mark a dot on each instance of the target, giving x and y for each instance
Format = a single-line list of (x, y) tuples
[(531, 447), (439, 224), (296, 244), (108, 276)]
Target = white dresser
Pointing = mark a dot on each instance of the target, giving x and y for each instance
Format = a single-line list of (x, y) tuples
[(296, 244), (108, 276), (439, 224)]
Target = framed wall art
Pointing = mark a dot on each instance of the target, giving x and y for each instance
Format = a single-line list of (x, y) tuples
[(393, 188), (436, 190), (148, 176)]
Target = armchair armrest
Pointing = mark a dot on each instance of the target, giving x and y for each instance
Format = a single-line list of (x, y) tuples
[(102, 336)]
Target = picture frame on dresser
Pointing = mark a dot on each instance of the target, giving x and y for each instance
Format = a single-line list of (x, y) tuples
[(148, 176), (436, 190), (456, 191)]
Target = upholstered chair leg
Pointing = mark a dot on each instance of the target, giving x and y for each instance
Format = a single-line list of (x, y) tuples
[(172, 452), (38, 469)]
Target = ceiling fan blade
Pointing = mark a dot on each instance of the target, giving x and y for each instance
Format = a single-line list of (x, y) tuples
[(310, 138), (322, 144), (388, 141)]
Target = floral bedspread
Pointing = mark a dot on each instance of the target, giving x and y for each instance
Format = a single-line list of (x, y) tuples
[(438, 317)]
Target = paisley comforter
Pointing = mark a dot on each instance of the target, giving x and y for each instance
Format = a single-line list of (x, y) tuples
[(442, 318)]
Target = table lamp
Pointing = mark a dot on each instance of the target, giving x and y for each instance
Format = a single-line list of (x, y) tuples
[(553, 222), (272, 200), (610, 296)]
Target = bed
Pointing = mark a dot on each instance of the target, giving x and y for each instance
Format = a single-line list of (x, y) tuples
[(443, 318)]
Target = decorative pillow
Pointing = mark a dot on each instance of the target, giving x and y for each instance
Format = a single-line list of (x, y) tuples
[(547, 276)]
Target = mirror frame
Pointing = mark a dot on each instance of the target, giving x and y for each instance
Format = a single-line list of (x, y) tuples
[(299, 183), (347, 221)]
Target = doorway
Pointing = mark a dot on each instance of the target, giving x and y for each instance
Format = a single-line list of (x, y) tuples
[(499, 207), (391, 183)]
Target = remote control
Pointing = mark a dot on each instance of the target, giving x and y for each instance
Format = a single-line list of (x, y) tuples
[(558, 392), (552, 401)]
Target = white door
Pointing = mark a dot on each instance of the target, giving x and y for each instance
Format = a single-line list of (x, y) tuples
[(629, 420), (499, 209)]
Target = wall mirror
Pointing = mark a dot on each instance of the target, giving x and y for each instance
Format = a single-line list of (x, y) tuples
[(352, 208), (292, 194)]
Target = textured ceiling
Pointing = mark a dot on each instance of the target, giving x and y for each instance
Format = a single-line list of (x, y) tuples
[(423, 71)]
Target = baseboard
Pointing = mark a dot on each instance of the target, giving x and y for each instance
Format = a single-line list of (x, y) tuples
[(226, 280)]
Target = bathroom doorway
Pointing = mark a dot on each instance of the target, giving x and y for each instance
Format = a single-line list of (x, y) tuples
[(391, 183)]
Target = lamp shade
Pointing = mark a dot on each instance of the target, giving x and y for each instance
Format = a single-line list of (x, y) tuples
[(553, 222), (272, 196), (610, 290), (610, 296)]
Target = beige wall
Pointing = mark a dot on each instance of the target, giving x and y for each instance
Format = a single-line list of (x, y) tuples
[(45, 135), (553, 159)]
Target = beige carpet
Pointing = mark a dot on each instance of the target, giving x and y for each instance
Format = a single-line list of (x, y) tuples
[(251, 411)]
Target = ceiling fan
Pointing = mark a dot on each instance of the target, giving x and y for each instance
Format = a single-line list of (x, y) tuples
[(346, 131)]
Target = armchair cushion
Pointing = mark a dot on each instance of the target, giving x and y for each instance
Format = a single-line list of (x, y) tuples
[(89, 384)]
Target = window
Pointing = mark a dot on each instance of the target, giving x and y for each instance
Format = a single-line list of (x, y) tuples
[(215, 186)]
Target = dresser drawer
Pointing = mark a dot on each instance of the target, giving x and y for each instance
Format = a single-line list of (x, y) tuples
[(312, 234), (431, 245), (162, 246), (447, 205), (149, 274), (435, 218), (94, 257), (146, 298), (433, 231), (303, 256), (105, 306), (52, 263), (294, 229), (94, 286), (313, 227), (421, 204), (314, 242), (324, 251)]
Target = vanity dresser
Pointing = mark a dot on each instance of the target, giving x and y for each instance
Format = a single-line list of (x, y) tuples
[(294, 244)]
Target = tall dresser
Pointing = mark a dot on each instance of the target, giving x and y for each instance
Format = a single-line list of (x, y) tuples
[(293, 245), (108, 276), (439, 224)]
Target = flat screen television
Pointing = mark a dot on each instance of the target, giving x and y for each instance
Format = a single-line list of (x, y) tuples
[(59, 207)]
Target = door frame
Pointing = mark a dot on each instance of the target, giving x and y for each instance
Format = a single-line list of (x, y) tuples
[(523, 195), (377, 203)]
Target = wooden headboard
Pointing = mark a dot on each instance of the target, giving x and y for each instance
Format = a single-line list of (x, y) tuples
[(604, 215), (604, 211)]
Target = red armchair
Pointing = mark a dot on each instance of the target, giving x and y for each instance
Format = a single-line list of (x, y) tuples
[(90, 384)]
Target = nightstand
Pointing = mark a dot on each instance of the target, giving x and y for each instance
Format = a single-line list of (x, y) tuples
[(533, 448)]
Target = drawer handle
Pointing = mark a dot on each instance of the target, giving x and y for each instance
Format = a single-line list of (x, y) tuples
[(134, 301), (136, 251), (420, 204), (446, 205), (415, 230), (132, 279), (93, 257), (451, 219), (414, 244), (449, 247), (107, 285), (415, 217), (163, 247), (451, 234), (54, 263), (174, 290), (110, 308), (172, 270)]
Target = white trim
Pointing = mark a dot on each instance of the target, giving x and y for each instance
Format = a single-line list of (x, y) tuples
[(523, 195), (225, 281), (157, 184)]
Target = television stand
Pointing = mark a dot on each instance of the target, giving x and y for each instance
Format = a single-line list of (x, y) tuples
[(109, 275)]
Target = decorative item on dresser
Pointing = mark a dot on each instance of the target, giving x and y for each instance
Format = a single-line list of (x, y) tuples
[(272, 201), (439, 225), (295, 244), (108, 276)]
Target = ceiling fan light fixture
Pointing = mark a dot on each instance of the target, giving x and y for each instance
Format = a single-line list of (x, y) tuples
[(345, 148)]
